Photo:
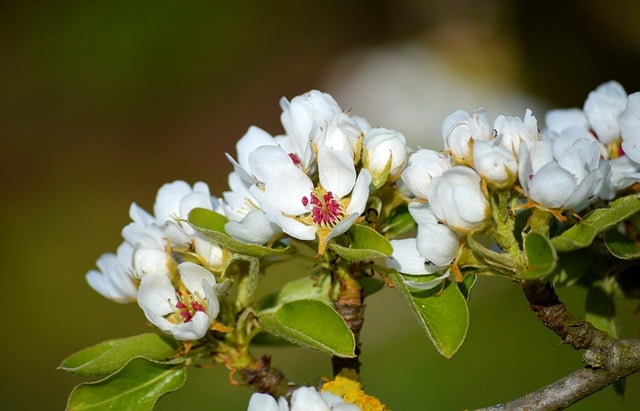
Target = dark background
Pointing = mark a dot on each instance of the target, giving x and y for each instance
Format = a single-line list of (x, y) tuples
[(102, 102)]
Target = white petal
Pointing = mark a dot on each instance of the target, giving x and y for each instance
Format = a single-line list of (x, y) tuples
[(552, 186), (336, 170), (286, 193), (360, 193), (437, 243), (406, 259), (253, 228), (167, 204), (269, 163), (254, 137), (307, 399), (262, 402), (422, 213), (427, 285)]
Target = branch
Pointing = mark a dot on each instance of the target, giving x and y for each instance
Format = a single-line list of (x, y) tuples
[(608, 359), (580, 384)]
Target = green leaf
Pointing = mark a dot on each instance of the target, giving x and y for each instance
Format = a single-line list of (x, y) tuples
[(211, 224), (312, 324), (366, 244), (444, 315), (582, 234), (620, 245), (579, 236), (619, 210), (136, 387), (109, 356), (541, 256)]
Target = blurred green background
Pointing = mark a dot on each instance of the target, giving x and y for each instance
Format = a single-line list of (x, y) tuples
[(102, 102)]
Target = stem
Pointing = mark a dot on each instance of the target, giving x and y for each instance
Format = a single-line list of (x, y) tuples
[(264, 378), (608, 359), (350, 305)]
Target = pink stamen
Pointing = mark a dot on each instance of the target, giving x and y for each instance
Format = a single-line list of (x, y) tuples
[(326, 210), (294, 157)]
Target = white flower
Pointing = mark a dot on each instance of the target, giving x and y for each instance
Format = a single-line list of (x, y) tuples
[(624, 172), (460, 129), (384, 151), (254, 137), (423, 166), (303, 118), (247, 222), (308, 399), (185, 310), (303, 210), (630, 127), (302, 399), (431, 252), (112, 279), (496, 164), (456, 198), (562, 172), (342, 134), (603, 107), (512, 131)]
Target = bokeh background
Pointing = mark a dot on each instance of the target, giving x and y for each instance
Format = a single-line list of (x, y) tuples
[(102, 102)]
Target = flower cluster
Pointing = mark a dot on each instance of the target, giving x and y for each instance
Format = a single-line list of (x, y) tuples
[(582, 156), (314, 181), (165, 265)]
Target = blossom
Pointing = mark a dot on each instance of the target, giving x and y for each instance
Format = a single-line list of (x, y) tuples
[(431, 252), (495, 163), (112, 279), (302, 399), (247, 221), (184, 306), (456, 198), (385, 151), (511, 131), (304, 118), (562, 172), (460, 129), (423, 166), (603, 107), (304, 210)]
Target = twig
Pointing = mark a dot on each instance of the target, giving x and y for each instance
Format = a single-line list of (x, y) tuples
[(608, 359)]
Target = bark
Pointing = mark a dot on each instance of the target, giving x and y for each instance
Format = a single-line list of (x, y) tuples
[(607, 359)]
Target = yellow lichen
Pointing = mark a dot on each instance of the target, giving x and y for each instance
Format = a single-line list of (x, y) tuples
[(346, 385)]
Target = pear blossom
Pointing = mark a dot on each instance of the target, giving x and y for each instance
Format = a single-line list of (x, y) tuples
[(495, 163), (562, 172), (456, 198), (305, 210), (302, 399), (185, 306), (342, 134), (511, 131), (432, 251), (112, 279), (423, 166), (247, 221), (603, 107), (460, 129), (385, 151), (254, 137), (304, 118)]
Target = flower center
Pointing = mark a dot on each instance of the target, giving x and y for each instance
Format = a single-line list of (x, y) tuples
[(187, 306), (326, 210)]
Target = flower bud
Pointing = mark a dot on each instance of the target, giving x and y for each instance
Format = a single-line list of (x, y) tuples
[(385, 152), (424, 165), (603, 107), (460, 128)]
